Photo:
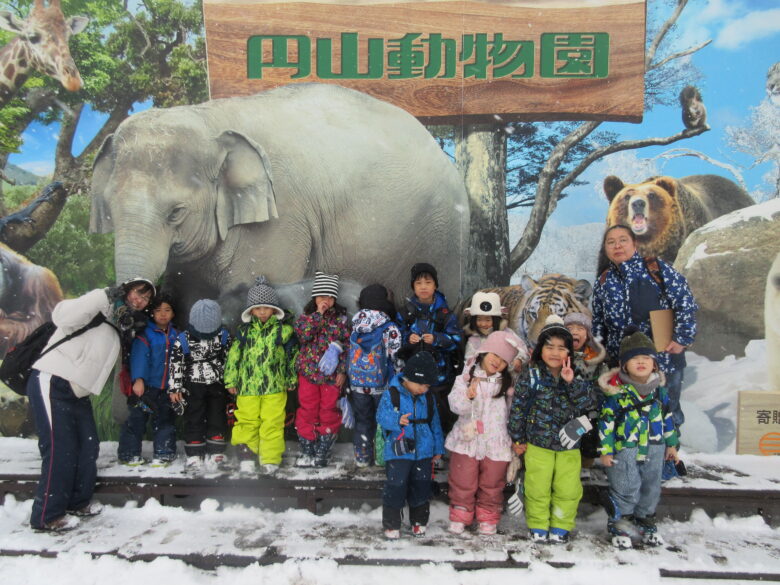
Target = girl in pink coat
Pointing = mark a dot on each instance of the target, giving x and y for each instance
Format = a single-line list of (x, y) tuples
[(479, 444)]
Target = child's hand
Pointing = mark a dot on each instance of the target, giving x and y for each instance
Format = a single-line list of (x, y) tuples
[(566, 372), (232, 391), (519, 448), (414, 339), (404, 420), (471, 391), (175, 396), (138, 387), (671, 454), (323, 306), (341, 379), (517, 365), (606, 460), (428, 338), (436, 457)]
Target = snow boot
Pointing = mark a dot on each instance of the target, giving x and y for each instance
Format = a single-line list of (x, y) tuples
[(322, 450), (363, 456), (649, 530), (306, 457), (558, 536), (538, 535)]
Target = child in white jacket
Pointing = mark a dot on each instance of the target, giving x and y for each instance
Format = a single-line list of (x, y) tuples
[(479, 444)]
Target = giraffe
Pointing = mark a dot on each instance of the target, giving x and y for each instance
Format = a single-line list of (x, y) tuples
[(42, 45)]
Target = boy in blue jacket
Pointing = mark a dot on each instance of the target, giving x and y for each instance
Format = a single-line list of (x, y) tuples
[(150, 358), (413, 441)]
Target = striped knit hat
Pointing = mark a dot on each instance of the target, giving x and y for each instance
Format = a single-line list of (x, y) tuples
[(325, 285), (261, 294)]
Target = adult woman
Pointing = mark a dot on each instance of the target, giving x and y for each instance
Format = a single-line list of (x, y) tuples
[(58, 390), (626, 293)]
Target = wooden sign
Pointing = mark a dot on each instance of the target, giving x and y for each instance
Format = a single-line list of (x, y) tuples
[(758, 423), (443, 61)]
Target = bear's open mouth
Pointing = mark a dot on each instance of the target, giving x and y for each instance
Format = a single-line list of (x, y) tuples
[(639, 224)]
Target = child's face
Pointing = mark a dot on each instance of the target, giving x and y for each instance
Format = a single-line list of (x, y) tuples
[(324, 302), (640, 367), (162, 315), (554, 353), (137, 300), (424, 288), (415, 388), (484, 322), (262, 313), (493, 364), (580, 335)]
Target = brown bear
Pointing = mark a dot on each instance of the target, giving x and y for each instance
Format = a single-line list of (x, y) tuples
[(662, 211)]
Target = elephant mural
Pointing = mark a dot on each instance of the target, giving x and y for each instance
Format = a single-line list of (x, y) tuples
[(283, 183)]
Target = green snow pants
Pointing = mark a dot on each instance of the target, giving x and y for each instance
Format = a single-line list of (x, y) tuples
[(552, 488)]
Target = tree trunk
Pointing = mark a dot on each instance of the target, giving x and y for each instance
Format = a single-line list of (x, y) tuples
[(480, 152)]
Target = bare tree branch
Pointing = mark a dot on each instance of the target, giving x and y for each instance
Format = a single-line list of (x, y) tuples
[(678, 152), (662, 32), (674, 56)]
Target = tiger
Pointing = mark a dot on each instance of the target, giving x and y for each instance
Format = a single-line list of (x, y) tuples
[(531, 302)]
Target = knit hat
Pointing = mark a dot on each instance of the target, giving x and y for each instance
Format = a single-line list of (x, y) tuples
[(131, 283), (635, 343), (421, 368), (424, 268), (374, 297), (206, 316), (500, 343), (261, 294), (578, 319), (485, 303), (553, 327), (325, 285)]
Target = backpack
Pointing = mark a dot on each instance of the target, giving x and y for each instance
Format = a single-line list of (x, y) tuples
[(18, 362), (369, 366)]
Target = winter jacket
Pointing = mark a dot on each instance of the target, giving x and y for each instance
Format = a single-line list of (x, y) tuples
[(368, 320), (150, 356), (437, 319), (85, 361), (629, 292), (493, 411), (199, 360), (315, 331), (542, 405), (476, 338), (589, 363), (622, 425), (261, 361), (428, 438)]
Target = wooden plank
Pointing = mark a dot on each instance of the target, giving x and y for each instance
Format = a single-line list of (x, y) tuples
[(618, 96)]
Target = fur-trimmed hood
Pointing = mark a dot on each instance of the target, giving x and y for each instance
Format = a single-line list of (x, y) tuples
[(599, 350), (469, 331), (610, 381)]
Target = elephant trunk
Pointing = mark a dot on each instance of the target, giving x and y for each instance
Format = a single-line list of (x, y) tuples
[(140, 253)]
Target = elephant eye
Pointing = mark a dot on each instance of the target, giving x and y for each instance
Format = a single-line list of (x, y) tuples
[(177, 215)]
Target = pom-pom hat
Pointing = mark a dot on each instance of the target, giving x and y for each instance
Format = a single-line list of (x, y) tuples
[(635, 343), (261, 294)]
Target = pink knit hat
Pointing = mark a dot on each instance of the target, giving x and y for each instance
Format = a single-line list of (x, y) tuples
[(501, 344)]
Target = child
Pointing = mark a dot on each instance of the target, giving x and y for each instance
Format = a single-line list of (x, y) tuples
[(486, 315), (197, 367), (374, 343), (479, 444), (259, 372), (149, 365), (323, 332), (547, 398), (413, 442), (637, 433), (427, 323)]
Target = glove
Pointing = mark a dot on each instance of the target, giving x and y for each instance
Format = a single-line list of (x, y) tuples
[(347, 416), (515, 465), (514, 504), (571, 434), (178, 407), (330, 359), (230, 413)]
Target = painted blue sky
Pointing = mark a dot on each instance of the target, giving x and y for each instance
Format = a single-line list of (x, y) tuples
[(746, 42)]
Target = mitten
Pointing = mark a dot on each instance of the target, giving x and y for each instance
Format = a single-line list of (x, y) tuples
[(347, 416), (514, 504), (330, 359), (514, 466), (571, 434)]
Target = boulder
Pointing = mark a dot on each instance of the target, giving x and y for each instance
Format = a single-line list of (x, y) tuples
[(726, 262)]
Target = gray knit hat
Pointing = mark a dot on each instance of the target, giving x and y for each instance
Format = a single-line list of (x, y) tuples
[(578, 319), (261, 294), (325, 285), (206, 316)]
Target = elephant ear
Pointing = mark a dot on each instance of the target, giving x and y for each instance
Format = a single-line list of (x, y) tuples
[(100, 215), (245, 187)]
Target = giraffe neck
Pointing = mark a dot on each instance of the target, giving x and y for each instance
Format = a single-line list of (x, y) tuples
[(14, 69)]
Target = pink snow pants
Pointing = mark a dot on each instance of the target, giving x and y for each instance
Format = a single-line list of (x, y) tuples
[(476, 484), (317, 413)]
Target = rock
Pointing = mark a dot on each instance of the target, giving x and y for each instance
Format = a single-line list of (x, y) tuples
[(726, 263)]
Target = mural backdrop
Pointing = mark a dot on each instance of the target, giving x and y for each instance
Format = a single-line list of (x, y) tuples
[(392, 136)]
